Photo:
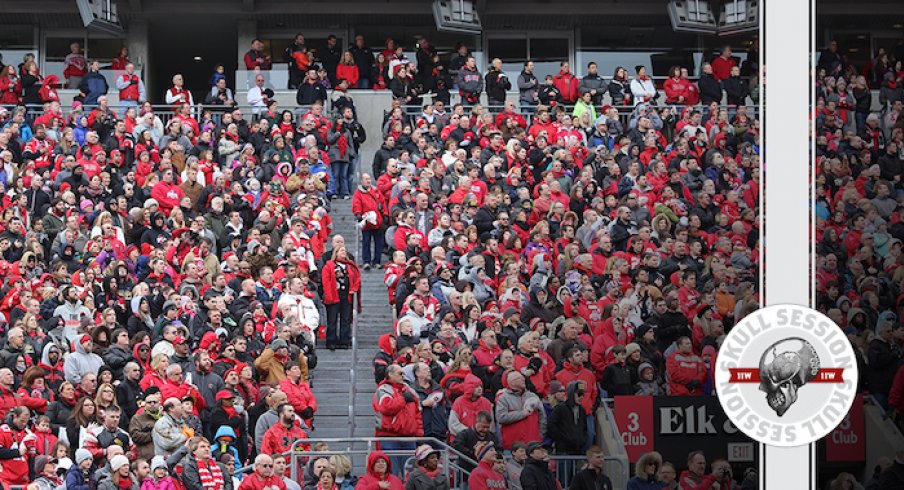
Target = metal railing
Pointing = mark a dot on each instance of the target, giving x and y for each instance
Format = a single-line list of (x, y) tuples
[(453, 463), (353, 369)]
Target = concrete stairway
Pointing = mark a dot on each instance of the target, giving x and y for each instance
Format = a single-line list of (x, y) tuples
[(332, 377)]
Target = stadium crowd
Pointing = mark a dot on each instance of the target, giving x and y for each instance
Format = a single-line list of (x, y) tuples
[(165, 284)]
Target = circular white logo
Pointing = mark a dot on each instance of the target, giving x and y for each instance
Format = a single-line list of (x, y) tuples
[(786, 375)]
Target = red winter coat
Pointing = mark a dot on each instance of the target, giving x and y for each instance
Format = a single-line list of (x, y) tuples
[(485, 478), (567, 85), (167, 196), (682, 369), (15, 470), (543, 377), (395, 416), (255, 481), (467, 409), (8, 400), (330, 291), (10, 91), (677, 88), (369, 200), (300, 396), (371, 481), (348, 72), (279, 439)]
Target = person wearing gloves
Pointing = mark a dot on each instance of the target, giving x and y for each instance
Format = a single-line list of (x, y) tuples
[(519, 412), (426, 474), (131, 88), (80, 476), (686, 371), (398, 413), (17, 446), (299, 393), (120, 478), (485, 477), (497, 83), (470, 83), (369, 208), (642, 88)]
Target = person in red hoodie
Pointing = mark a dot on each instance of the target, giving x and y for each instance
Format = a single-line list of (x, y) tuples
[(379, 474), (485, 354), (677, 89), (567, 84), (167, 192), (466, 407), (299, 393), (686, 371), (485, 477), (263, 477), (17, 446), (398, 412), (341, 282)]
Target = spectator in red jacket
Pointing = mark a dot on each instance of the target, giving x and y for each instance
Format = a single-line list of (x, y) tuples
[(167, 192), (677, 89), (695, 475), (255, 57), (18, 446), (567, 84), (348, 70), (8, 398), (341, 282), (379, 473), (280, 437), (485, 477), (398, 413), (299, 392), (369, 209), (263, 477), (723, 64), (686, 371)]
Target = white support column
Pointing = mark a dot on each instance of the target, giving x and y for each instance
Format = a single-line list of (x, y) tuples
[(787, 191)]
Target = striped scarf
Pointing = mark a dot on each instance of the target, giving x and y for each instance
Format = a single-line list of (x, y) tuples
[(211, 476)]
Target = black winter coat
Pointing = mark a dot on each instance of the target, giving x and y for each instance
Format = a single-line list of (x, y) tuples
[(589, 479), (309, 93), (537, 476), (568, 427), (884, 360), (710, 89)]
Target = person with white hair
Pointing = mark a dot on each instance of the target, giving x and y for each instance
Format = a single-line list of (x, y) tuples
[(263, 477)]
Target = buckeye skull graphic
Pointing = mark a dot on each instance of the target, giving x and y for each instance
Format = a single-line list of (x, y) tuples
[(785, 367)]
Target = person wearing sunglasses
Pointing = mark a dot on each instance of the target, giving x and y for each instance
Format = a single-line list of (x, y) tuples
[(263, 476)]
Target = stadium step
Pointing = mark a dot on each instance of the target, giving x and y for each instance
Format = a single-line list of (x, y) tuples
[(332, 376)]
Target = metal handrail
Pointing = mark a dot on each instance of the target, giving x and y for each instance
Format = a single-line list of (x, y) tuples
[(451, 457), (353, 369)]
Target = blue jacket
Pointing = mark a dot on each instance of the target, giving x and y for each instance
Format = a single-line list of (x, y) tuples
[(221, 447), (637, 483), (75, 480), (94, 85)]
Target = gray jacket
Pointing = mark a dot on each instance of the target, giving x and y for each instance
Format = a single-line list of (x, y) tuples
[(510, 407), (80, 362), (167, 435), (528, 87), (107, 484), (333, 136), (470, 81), (419, 480)]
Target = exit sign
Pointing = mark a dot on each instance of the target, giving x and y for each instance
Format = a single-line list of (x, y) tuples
[(740, 452)]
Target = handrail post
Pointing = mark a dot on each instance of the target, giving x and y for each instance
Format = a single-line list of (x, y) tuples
[(353, 370)]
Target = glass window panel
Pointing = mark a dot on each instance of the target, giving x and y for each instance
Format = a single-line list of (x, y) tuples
[(509, 50), (542, 50)]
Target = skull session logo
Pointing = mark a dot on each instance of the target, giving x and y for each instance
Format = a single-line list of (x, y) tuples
[(786, 375)]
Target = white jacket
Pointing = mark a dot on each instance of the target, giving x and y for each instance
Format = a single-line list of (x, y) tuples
[(642, 90), (303, 308)]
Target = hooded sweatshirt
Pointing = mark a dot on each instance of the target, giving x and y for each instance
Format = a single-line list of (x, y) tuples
[(371, 481), (81, 362), (464, 409)]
